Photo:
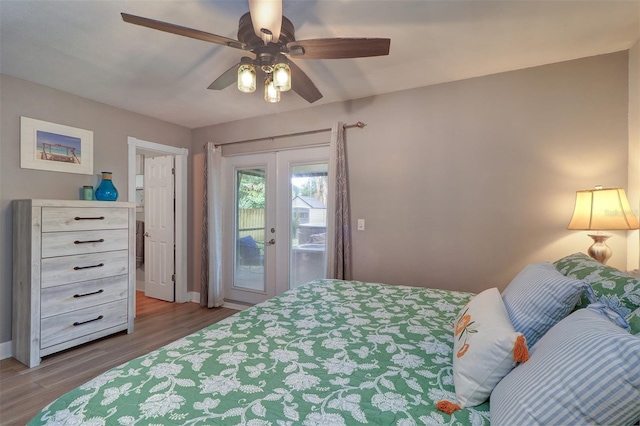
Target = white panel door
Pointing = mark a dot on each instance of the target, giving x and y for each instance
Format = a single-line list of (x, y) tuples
[(159, 252)]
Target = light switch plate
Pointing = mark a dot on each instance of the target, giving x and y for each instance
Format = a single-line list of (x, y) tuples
[(360, 224)]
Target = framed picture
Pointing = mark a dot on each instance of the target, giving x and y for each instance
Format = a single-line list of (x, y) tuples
[(54, 147)]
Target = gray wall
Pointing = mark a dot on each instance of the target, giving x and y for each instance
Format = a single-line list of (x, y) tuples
[(463, 184), (110, 127)]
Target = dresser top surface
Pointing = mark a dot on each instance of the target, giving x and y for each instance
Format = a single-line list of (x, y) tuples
[(76, 203)]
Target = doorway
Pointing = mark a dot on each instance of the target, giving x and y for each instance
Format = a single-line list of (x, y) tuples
[(274, 221), (178, 158)]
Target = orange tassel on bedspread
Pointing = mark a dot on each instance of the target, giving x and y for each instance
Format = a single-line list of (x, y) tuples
[(447, 406)]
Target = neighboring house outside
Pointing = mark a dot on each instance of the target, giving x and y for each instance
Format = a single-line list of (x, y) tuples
[(309, 218), (309, 210)]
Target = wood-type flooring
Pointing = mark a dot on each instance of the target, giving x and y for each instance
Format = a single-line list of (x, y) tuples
[(25, 391)]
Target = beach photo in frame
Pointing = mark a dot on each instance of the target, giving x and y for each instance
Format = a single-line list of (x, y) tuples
[(55, 147)]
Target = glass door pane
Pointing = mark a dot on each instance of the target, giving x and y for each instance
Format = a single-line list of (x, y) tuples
[(248, 219), (309, 195), (250, 224), (274, 222)]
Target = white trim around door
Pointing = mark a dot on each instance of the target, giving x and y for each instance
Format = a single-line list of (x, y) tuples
[(181, 155)]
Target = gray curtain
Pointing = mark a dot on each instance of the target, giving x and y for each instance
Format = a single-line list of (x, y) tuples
[(210, 274), (339, 244)]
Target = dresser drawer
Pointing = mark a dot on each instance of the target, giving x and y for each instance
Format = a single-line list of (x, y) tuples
[(83, 218), (72, 297), (61, 328), (80, 242), (72, 269)]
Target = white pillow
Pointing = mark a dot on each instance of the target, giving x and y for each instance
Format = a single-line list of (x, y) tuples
[(585, 370), (483, 349)]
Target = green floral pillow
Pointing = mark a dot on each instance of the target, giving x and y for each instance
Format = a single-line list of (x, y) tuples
[(614, 288), (634, 321)]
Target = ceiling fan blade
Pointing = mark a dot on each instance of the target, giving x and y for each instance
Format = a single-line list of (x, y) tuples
[(266, 16), (302, 84), (227, 78), (339, 48), (183, 31)]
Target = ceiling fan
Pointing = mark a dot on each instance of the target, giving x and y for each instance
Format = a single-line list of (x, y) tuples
[(270, 36)]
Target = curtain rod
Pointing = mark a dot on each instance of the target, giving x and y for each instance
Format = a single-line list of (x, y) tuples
[(359, 125)]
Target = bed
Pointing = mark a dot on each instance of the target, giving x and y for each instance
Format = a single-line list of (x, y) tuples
[(559, 345), (329, 352)]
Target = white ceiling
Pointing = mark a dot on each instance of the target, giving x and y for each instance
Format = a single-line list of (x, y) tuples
[(84, 47)]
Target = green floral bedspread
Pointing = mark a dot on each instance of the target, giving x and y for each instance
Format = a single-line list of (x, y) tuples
[(327, 353)]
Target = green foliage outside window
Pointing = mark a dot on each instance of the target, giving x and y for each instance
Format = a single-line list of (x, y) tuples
[(251, 192)]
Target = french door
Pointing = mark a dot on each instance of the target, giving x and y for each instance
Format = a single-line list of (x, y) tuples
[(274, 221)]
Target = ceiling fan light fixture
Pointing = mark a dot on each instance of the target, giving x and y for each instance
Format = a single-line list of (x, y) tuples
[(266, 16), (246, 78), (271, 94), (282, 76)]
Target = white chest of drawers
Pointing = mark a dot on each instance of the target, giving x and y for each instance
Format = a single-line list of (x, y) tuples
[(73, 274)]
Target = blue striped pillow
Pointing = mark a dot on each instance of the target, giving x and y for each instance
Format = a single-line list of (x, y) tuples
[(585, 370), (538, 297)]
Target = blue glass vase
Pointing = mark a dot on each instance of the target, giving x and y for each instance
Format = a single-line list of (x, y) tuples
[(106, 191)]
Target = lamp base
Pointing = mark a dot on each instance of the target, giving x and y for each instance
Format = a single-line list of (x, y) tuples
[(600, 251)]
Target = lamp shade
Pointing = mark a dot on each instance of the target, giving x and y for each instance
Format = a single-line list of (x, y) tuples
[(266, 16), (271, 94), (246, 78), (282, 77), (602, 209)]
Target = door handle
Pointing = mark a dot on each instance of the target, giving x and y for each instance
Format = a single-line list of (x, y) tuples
[(270, 242), (146, 234)]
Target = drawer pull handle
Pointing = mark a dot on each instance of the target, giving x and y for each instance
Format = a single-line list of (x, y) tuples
[(88, 294), (75, 324), (101, 240), (89, 218), (77, 268)]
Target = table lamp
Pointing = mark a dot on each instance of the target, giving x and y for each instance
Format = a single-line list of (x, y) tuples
[(602, 209)]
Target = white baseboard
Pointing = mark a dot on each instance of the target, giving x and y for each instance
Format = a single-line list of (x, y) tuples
[(236, 306), (194, 296), (6, 350)]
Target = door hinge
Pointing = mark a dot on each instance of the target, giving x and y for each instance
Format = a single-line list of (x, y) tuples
[(173, 277), (173, 170)]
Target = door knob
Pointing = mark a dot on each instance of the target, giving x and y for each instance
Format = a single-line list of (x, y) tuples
[(271, 242), (146, 234)]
